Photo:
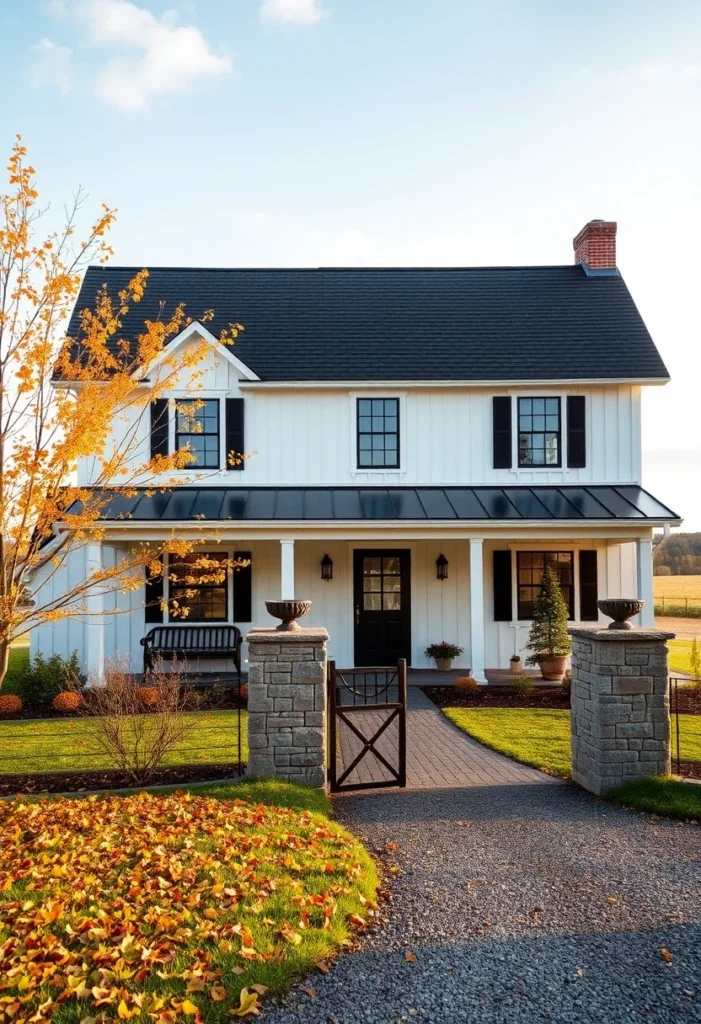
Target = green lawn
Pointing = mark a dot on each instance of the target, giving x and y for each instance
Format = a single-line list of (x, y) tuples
[(542, 738), (204, 901), (18, 665), (680, 656), (69, 745), (666, 797)]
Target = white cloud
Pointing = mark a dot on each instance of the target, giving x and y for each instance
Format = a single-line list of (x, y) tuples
[(150, 55), (51, 66), (293, 12)]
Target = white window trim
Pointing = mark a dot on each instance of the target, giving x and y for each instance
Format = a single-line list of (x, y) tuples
[(540, 393), (377, 471)]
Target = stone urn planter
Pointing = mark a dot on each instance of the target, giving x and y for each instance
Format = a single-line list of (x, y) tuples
[(552, 666), (515, 665), (289, 612), (620, 609)]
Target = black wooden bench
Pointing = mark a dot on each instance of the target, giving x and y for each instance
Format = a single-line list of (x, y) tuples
[(192, 641)]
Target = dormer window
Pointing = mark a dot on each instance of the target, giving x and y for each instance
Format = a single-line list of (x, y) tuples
[(197, 427), (539, 432), (378, 433)]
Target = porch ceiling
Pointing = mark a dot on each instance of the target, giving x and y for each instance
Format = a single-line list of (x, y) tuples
[(519, 504)]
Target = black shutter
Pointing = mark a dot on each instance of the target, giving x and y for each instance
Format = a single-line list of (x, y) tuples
[(502, 586), (154, 595), (576, 432), (159, 427), (242, 588), (502, 432), (234, 434), (588, 587)]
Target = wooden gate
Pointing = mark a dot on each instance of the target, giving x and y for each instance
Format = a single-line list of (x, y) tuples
[(367, 727)]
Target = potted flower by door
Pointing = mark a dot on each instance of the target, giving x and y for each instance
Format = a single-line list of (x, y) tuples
[(549, 642), (515, 665), (443, 654)]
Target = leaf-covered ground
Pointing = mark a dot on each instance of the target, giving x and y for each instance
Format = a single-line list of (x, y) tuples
[(177, 906)]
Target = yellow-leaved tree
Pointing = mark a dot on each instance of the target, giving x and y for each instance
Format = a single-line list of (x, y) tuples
[(60, 399)]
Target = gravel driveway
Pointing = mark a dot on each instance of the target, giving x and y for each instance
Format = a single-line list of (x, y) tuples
[(520, 904)]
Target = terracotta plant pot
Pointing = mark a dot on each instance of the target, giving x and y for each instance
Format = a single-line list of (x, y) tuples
[(552, 666), (443, 664)]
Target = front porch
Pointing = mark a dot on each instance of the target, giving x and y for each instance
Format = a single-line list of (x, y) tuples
[(382, 597)]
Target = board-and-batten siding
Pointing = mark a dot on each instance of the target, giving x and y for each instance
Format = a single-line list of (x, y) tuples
[(440, 611), (307, 436)]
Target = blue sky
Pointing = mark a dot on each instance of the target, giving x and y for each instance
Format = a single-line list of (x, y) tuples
[(333, 132)]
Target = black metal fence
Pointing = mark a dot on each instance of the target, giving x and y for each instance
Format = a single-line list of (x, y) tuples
[(685, 715)]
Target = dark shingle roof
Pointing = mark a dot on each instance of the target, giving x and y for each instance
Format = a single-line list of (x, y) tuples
[(253, 504), (492, 323)]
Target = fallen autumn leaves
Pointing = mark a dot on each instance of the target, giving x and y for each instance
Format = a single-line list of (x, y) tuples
[(171, 907)]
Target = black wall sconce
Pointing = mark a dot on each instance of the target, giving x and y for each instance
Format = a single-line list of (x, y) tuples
[(441, 568), (326, 568)]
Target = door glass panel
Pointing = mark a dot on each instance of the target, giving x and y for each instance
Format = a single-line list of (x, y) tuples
[(391, 583), (391, 602), (372, 583), (391, 564), (372, 602), (372, 565)]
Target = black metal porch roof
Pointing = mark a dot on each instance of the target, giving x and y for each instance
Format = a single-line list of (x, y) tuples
[(254, 504)]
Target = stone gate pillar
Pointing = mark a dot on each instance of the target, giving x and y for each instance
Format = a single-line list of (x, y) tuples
[(287, 705), (620, 706)]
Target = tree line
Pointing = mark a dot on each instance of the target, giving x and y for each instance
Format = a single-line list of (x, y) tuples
[(678, 555)]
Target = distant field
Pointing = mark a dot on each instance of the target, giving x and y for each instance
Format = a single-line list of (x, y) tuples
[(678, 595), (677, 586)]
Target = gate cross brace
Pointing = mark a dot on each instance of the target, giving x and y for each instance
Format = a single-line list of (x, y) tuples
[(368, 745)]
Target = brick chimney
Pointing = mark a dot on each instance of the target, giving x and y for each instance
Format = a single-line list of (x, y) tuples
[(595, 244)]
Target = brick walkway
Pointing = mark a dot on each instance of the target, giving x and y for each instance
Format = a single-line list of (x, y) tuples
[(439, 755)]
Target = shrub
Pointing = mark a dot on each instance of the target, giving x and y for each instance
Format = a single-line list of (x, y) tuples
[(148, 695), (47, 677), (10, 704), (467, 686), (522, 685), (135, 743), (66, 700), (567, 682)]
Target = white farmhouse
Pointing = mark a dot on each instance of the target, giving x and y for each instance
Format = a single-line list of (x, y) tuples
[(426, 441)]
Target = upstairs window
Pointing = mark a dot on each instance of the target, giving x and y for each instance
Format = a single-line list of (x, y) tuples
[(378, 433), (531, 566), (539, 432), (197, 427)]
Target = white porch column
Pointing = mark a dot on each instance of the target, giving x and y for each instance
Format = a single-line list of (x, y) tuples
[(287, 570), (643, 551), (95, 621), (477, 610)]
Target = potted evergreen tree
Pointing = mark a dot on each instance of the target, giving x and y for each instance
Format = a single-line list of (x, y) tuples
[(549, 642)]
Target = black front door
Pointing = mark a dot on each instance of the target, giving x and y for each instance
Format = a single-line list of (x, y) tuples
[(382, 606)]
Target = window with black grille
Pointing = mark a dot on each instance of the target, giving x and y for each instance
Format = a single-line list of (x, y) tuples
[(197, 427), (378, 433), (531, 566), (539, 432), (197, 587)]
